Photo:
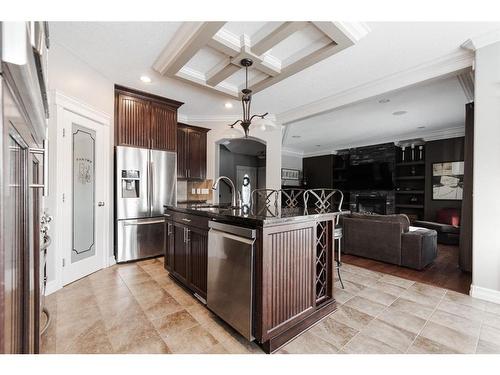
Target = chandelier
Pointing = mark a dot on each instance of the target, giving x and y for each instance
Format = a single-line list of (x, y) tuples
[(246, 101)]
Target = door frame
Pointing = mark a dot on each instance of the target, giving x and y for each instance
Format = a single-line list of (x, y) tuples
[(61, 104)]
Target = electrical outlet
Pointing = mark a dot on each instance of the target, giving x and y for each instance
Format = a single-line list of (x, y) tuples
[(193, 191), (198, 191), (204, 191)]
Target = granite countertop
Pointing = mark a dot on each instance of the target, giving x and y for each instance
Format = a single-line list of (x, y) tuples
[(259, 216)]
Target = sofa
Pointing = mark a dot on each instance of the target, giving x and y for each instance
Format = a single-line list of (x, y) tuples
[(388, 238), (446, 224)]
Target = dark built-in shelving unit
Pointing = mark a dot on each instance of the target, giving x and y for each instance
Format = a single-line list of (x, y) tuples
[(410, 183)]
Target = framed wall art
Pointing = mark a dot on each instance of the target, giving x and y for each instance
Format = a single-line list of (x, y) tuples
[(448, 180)]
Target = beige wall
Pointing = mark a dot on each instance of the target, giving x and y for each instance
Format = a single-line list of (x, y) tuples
[(75, 79), (273, 150), (486, 201)]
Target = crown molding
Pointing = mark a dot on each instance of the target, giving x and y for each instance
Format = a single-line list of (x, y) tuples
[(432, 135), (481, 41), (454, 63), (215, 118), (291, 152)]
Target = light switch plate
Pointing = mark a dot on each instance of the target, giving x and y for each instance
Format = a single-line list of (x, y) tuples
[(198, 191), (193, 191), (204, 191)]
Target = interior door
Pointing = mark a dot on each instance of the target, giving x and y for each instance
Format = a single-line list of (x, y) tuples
[(84, 216)]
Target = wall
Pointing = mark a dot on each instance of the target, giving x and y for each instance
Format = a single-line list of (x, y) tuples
[(227, 167), (291, 161), (73, 78), (436, 152), (486, 201), (273, 150)]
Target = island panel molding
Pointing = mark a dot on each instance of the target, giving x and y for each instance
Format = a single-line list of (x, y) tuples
[(208, 54)]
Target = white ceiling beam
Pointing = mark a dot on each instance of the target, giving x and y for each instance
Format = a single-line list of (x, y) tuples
[(190, 38), (225, 42), (448, 65), (221, 71), (273, 33), (299, 65)]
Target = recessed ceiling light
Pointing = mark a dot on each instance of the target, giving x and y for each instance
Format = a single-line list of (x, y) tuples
[(295, 136), (383, 101), (228, 105), (399, 113), (145, 79), (421, 127)]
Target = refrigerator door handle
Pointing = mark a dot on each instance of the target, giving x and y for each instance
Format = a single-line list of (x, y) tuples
[(152, 187)]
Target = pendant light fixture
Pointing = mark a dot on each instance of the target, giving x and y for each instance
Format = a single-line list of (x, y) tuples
[(246, 101)]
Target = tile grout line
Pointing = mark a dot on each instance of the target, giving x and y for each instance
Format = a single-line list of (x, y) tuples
[(379, 314), (426, 321)]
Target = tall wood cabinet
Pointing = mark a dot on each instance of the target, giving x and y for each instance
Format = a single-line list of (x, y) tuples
[(145, 120), (191, 152)]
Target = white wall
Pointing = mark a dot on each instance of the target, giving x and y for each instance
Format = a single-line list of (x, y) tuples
[(273, 150), (486, 199), (75, 79), (291, 161)]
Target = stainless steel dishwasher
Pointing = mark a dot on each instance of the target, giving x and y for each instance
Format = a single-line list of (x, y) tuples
[(230, 275)]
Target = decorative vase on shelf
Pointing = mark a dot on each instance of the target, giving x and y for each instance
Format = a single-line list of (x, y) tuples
[(403, 154), (413, 171), (420, 152), (412, 152)]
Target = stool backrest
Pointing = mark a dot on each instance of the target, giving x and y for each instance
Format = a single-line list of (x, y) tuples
[(292, 198)]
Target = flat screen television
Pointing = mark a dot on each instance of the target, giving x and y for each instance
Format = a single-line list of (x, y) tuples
[(370, 176)]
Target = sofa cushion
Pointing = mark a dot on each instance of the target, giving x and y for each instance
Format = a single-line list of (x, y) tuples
[(398, 218)]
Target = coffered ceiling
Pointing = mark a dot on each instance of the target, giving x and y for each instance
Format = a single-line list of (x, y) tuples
[(391, 56), (209, 54)]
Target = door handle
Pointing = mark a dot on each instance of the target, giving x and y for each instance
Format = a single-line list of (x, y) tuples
[(44, 152), (187, 235), (169, 229), (100, 204)]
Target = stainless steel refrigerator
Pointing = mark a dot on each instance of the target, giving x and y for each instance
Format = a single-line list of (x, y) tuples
[(146, 180)]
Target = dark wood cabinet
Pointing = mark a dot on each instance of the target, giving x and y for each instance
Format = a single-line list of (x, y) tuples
[(191, 152), (145, 120), (132, 116), (186, 251), (198, 258), (163, 127), (182, 153)]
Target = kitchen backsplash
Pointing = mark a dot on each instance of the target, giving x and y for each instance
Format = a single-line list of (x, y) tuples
[(194, 191)]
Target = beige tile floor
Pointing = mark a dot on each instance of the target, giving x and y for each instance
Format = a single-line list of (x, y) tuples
[(136, 308)]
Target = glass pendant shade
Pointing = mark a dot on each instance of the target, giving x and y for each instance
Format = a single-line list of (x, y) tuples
[(232, 133)]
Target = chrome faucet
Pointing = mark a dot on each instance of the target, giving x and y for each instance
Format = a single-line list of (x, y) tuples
[(235, 194)]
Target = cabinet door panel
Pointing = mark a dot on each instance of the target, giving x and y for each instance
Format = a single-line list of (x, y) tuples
[(198, 259), (197, 154), (182, 152), (181, 255), (133, 121), (163, 127)]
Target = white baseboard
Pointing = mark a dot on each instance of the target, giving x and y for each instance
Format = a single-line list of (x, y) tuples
[(111, 261), (52, 286), (485, 293)]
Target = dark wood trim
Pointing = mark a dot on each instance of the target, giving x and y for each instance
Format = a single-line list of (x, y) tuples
[(148, 96), (276, 342), (192, 127), (465, 249)]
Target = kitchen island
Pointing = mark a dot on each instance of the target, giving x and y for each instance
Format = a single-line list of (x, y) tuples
[(291, 268)]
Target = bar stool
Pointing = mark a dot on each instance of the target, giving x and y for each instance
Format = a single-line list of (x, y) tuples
[(291, 198), (263, 200), (324, 200)]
